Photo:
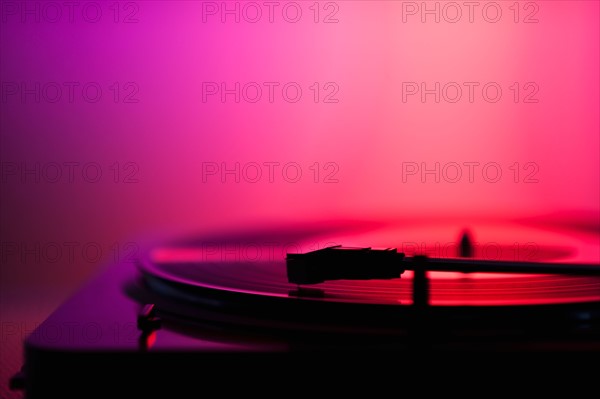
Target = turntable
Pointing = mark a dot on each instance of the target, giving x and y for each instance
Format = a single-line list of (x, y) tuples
[(276, 301)]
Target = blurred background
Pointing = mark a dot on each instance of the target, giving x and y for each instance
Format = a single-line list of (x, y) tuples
[(124, 123)]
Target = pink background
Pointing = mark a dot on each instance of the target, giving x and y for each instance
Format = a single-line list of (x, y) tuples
[(368, 134)]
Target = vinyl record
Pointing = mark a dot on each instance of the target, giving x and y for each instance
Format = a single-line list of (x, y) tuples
[(239, 279), (253, 263)]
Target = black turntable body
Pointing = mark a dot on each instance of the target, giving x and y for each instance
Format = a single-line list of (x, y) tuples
[(226, 312)]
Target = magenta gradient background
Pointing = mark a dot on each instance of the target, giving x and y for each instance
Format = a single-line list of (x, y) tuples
[(369, 133)]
